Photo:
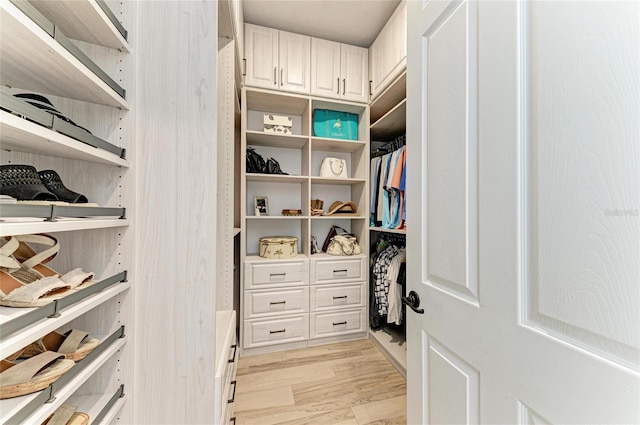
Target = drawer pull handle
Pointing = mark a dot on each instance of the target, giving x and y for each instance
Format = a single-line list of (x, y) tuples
[(233, 357), (281, 331), (277, 274), (340, 271), (339, 323), (233, 395), (277, 302), (340, 298)]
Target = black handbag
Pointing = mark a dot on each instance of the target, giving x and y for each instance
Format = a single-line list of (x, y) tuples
[(255, 162), (273, 167)]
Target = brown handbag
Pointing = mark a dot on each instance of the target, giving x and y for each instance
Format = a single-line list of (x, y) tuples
[(332, 232)]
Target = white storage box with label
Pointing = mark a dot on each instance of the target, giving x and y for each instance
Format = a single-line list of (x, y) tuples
[(278, 247), (279, 124)]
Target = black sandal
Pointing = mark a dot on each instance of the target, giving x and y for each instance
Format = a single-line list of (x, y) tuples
[(53, 183), (23, 183)]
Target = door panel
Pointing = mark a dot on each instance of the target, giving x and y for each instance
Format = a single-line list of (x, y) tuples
[(355, 76), (550, 333), (295, 62), (583, 254), (325, 68), (451, 153), (261, 53)]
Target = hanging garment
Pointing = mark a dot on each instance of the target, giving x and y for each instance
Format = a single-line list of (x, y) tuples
[(384, 168), (387, 194), (381, 285), (395, 198), (394, 311), (375, 178)]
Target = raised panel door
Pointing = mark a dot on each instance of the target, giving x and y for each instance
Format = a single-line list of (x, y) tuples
[(261, 54), (355, 74), (295, 63), (325, 68)]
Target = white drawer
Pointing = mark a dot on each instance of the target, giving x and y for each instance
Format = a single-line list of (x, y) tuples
[(276, 302), (336, 323), (275, 274), (332, 297), (261, 332), (340, 269)]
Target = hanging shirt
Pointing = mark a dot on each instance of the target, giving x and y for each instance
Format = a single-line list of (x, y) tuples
[(395, 198), (394, 310), (380, 283), (387, 197), (384, 168), (375, 177)]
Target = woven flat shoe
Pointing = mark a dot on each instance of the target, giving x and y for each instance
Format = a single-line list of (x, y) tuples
[(53, 183), (23, 183)]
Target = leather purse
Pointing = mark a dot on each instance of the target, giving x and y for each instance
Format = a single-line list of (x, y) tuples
[(255, 162), (334, 167), (345, 244)]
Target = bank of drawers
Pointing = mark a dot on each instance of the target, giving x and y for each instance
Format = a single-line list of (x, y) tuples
[(288, 301)]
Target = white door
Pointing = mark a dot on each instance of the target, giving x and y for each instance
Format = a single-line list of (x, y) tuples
[(523, 212), (355, 75), (261, 55), (325, 68), (295, 63)]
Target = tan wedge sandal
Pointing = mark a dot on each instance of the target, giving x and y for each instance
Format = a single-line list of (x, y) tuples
[(30, 259), (75, 345), (31, 375), (67, 415)]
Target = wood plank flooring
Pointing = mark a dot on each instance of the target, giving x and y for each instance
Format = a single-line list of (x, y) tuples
[(348, 383)]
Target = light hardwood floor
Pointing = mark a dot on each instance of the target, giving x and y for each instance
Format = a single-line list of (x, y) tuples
[(349, 383)]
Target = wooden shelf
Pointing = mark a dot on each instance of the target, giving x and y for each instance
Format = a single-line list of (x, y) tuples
[(274, 102), (392, 124), (259, 138), (277, 217), (83, 20), (388, 99), (17, 134), (383, 230), (255, 258), (30, 59), (24, 227), (336, 181), (18, 340), (335, 145), (275, 178), (338, 217), (94, 405)]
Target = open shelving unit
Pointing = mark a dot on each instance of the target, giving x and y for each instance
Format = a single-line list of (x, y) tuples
[(37, 57)]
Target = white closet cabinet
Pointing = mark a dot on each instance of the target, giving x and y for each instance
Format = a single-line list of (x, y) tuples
[(339, 71), (277, 60), (388, 53), (36, 57)]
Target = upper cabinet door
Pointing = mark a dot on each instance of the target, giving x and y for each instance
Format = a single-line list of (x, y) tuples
[(325, 68), (389, 51), (295, 63), (261, 54), (355, 74)]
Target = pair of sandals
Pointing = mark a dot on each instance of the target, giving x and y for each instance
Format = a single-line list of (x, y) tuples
[(67, 414), (26, 280), (46, 360)]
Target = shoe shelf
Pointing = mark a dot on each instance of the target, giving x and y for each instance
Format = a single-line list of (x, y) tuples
[(86, 20), (38, 57), (35, 408), (21, 326), (101, 408), (24, 227), (21, 135)]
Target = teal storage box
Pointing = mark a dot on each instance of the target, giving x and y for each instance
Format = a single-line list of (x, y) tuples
[(335, 124)]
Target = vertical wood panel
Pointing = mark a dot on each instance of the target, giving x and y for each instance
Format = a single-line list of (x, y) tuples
[(175, 108)]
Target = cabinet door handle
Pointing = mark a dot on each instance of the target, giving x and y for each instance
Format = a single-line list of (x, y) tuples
[(344, 86), (342, 297), (233, 395), (281, 79), (277, 302), (244, 72), (339, 323), (275, 75), (370, 82), (338, 83), (233, 357), (281, 331)]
